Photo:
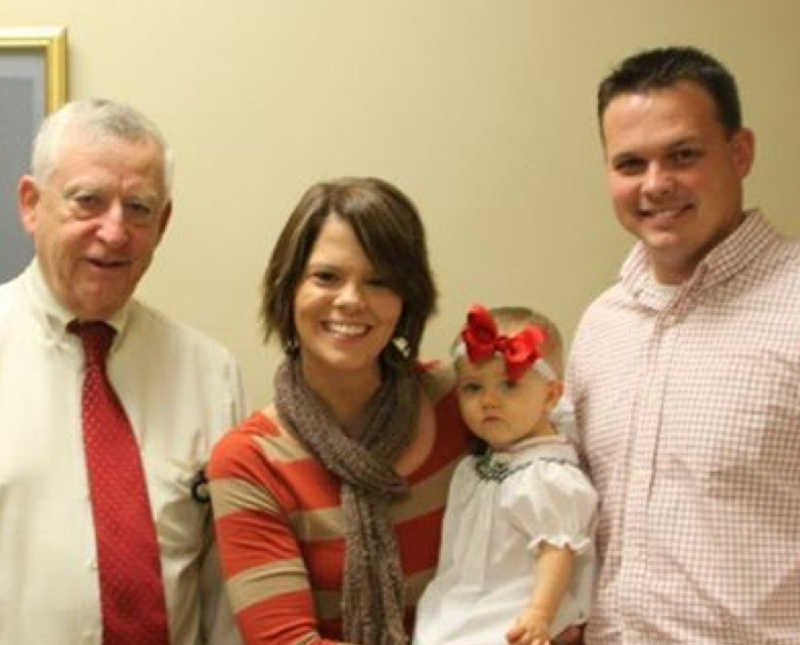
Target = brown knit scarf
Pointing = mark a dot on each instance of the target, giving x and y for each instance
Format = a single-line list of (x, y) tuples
[(373, 601)]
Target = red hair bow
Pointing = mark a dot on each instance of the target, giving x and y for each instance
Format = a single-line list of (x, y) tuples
[(519, 351)]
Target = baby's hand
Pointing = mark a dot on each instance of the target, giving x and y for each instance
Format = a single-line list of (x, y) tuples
[(529, 629)]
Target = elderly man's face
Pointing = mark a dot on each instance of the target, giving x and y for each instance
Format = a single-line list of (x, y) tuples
[(96, 219)]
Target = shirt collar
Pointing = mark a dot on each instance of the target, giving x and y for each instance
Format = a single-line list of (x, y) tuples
[(522, 444), (52, 315), (521, 447), (726, 259)]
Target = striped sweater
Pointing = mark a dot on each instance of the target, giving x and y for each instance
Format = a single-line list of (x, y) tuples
[(280, 527)]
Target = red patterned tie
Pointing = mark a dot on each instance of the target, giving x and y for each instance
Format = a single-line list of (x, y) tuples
[(131, 588)]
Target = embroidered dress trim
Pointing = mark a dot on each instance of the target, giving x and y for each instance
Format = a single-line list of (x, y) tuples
[(496, 470)]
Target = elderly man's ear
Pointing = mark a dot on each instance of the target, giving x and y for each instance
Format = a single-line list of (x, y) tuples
[(28, 197), (165, 215)]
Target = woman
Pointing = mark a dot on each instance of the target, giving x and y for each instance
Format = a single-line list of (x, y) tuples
[(328, 503)]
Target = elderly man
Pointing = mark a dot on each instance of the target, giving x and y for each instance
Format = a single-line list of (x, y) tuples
[(107, 409), (686, 374)]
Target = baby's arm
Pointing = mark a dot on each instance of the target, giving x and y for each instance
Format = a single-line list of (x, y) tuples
[(553, 570)]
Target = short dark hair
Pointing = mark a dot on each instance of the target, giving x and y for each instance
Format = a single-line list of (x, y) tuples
[(390, 231), (654, 69)]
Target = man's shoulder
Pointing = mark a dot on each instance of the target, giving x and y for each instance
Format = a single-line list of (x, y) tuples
[(757, 249), (159, 331), (9, 298), (772, 277), (785, 250)]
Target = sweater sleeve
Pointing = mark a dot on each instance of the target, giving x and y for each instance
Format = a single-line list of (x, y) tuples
[(262, 564)]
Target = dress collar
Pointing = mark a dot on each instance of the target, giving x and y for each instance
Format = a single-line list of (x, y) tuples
[(524, 444), (499, 465)]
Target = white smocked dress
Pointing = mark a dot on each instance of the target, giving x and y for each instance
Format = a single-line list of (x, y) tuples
[(500, 509)]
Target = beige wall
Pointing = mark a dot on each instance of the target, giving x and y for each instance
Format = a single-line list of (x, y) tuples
[(482, 111)]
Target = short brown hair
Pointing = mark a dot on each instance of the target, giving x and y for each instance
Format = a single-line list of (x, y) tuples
[(389, 229)]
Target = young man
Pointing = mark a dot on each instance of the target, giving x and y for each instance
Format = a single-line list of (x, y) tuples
[(685, 374), (107, 409)]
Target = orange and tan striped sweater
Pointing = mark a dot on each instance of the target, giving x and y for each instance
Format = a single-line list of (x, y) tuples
[(280, 528)]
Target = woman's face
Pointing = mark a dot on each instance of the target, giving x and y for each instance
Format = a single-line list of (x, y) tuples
[(344, 314)]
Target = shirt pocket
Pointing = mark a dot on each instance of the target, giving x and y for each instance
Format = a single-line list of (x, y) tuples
[(756, 439)]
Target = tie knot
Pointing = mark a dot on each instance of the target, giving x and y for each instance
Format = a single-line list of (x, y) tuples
[(96, 337)]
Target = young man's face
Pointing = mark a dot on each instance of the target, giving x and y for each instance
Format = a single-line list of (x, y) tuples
[(674, 174)]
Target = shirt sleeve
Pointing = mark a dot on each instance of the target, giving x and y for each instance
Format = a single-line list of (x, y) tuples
[(265, 575), (239, 405), (553, 502), (575, 391), (218, 626)]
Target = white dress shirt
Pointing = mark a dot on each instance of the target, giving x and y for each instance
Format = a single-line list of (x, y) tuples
[(180, 390)]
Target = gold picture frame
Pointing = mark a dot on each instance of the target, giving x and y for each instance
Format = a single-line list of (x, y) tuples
[(33, 83), (51, 43)]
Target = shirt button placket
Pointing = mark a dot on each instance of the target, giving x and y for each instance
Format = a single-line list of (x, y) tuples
[(643, 433)]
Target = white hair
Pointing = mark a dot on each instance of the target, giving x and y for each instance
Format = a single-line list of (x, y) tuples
[(100, 117)]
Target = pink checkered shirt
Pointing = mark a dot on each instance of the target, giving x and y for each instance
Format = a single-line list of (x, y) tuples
[(688, 411)]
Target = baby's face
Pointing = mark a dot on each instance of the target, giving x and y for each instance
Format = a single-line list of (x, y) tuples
[(500, 411)]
